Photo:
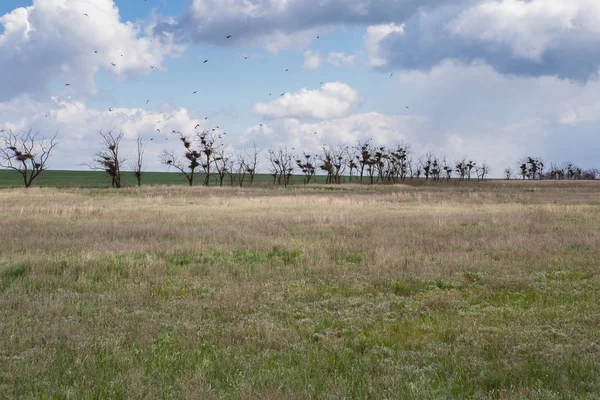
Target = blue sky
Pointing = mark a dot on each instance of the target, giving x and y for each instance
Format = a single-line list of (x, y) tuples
[(494, 80)]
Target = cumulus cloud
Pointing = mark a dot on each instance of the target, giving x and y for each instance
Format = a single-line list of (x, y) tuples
[(262, 20), (54, 39), (332, 100), (527, 38)]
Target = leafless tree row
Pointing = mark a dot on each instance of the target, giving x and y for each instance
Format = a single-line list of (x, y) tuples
[(205, 155)]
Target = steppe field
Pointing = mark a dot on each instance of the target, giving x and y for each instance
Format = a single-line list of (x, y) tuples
[(481, 290)]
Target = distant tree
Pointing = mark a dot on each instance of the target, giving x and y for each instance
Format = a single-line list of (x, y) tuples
[(222, 162), (25, 153), (138, 167), (192, 154), (482, 171), (237, 171), (508, 173), (251, 163), (108, 159), (307, 165)]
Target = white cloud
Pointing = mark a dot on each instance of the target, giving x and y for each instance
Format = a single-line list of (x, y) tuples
[(515, 37), (338, 59), (375, 34), (53, 39), (529, 29), (332, 100), (312, 60)]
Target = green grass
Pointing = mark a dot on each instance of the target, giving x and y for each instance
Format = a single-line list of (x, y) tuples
[(399, 293), (65, 179)]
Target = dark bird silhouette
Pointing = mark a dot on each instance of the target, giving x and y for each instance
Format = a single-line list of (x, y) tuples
[(67, 84), (158, 130), (110, 110), (407, 107), (113, 64), (205, 61), (95, 51), (152, 67), (197, 126), (228, 37), (205, 118), (151, 138), (86, 15), (260, 124), (246, 57), (318, 37), (194, 92), (282, 94), (269, 94), (392, 74), (147, 101), (286, 70)]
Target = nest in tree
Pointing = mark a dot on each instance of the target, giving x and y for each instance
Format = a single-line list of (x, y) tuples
[(169, 162), (111, 147), (24, 157)]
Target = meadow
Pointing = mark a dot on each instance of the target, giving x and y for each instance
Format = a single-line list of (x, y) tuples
[(481, 290)]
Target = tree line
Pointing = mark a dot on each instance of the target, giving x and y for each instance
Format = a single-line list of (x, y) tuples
[(205, 155)]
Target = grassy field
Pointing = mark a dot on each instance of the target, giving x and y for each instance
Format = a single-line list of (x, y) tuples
[(98, 179), (478, 291)]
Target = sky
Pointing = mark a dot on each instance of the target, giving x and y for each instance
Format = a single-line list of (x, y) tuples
[(492, 80)]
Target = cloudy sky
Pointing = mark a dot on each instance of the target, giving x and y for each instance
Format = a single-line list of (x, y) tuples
[(494, 80)]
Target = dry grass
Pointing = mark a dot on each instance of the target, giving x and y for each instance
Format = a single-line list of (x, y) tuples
[(483, 291)]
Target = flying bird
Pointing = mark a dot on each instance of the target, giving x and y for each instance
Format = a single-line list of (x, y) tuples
[(95, 51), (318, 37), (205, 118), (147, 101), (260, 124), (392, 74), (282, 94), (194, 92), (286, 70), (228, 37), (113, 64), (110, 110), (67, 84), (197, 126), (246, 57), (152, 67), (205, 61), (86, 15)]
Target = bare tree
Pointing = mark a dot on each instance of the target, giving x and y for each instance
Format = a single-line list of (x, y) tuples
[(222, 162), (138, 168), (237, 171), (193, 156), (251, 162), (508, 173), (108, 158), (307, 166), (25, 153)]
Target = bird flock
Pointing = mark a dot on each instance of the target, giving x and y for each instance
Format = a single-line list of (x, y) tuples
[(246, 57)]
